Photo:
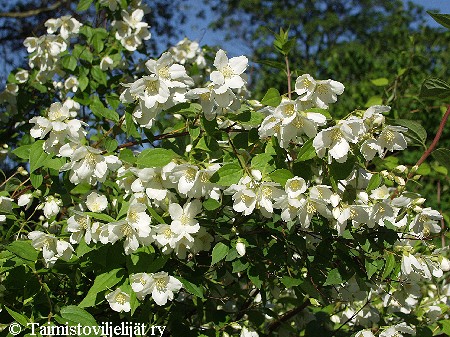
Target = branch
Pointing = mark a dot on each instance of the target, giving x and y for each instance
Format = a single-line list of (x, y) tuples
[(32, 12), (430, 149), (436, 138), (275, 325)]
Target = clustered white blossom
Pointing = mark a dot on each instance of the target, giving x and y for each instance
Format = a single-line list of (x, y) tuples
[(131, 31), (162, 206)]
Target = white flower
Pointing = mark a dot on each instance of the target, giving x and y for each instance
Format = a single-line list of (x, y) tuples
[(119, 301), (321, 93), (311, 207), (183, 219), (426, 222), (106, 63), (172, 74), (229, 73), (392, 138), (140, 283), (163, 287), (398, 330), (79, 225), (96, 202), (52, 248), (135, 228), (244, 195), (22, 76), (71, 84), (51, 206), (305, 86), (365, 333), (266, 193), (337, 139), (248, 333), (6, 204), (89, 165)]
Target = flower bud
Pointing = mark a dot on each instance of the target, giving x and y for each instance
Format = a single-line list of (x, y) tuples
[(240, 247), (401, 169), (400, 181)]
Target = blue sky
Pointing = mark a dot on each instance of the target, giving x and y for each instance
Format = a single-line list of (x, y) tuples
[(198, 29)]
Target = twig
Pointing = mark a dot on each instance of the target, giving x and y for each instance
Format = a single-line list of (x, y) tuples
[(32, 12), (288, 315), (430, 149), (288, 73)]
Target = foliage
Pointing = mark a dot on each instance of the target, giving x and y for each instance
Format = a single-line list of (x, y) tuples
[(162, 192)]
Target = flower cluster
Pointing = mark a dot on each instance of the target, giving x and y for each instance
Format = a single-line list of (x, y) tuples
[(308, 188), (131, 31)]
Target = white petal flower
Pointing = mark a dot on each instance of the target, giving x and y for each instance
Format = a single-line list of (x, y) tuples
[(229, 73), (119, 301), (52, 248), (248, 333), (96, 202), (163, 287), (184, 223)]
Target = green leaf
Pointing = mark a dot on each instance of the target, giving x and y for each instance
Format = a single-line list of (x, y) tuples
[(424, 331), (211, 204), (69, 62), (19, 318), (127, 155), (155, 215), (111, 144), (36, 179), (97, 42), (253, 274), (273, 64), (219, 252), (418, 132), (389, 265), (102, 282), (239, 266), (290, 282), (263, 162), (442, 19), (227, 175), (84, 5), (99, 75), (435, 88), (37, 155), (55, 163), (445, 326), (333, 277), (74, 314), (281, 176), (380, 82), (191, 287), (271, 98), (374, 182), (371, 267), (442, 155), (24, 250), (100, 110), (100, 216), (23, 152), (83, 82), (306, 152), (340, 171), (81, 188), (374, 100), (155, 157)]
